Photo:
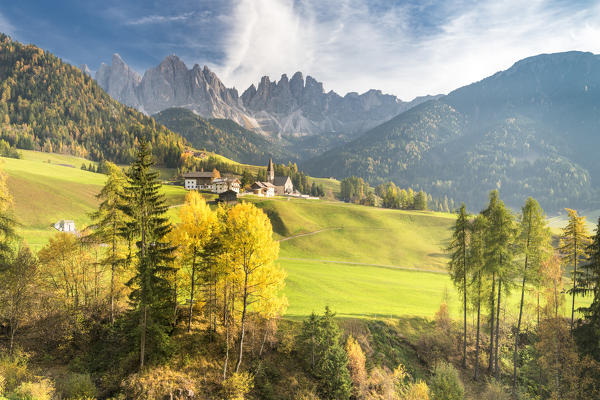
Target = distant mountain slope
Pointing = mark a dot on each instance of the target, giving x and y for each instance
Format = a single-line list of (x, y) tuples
[(49, 105), (222, 136), (288, 108), (533, 129)]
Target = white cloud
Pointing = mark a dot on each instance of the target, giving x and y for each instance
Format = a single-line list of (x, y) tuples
[(351, 47), (159, 19)]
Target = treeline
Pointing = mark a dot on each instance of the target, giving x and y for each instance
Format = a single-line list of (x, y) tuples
[(495, 254), (388, 195), (108, 300), (48, 105)]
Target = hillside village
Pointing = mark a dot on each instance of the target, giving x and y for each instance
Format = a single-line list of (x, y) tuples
[(211, 181)]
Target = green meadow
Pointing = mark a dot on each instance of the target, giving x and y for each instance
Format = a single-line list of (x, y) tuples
[(361, 261)]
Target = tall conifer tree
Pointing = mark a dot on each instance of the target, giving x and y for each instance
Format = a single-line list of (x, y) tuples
[(151, 292), (459, 266), (534, 244), (573, 246)]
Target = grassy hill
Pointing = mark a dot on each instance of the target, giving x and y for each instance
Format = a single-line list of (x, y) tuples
[(391, 261)]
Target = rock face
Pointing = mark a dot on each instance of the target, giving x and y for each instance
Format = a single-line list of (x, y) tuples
[(295, 107), (120, 82)]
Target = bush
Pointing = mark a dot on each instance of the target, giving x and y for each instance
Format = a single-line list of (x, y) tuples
[(159, 383), (42, 390), (416, 391), (13, 371), (78, 386), (494, 391), (237, 386), (446, 384)]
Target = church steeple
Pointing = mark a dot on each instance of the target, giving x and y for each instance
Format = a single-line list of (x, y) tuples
[(270, 171)]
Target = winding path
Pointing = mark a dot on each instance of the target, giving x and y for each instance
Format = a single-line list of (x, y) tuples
[(309, 233)]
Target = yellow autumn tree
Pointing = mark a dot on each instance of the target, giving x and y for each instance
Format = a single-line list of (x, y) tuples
[(357, 368), (573, 245), (248, 241), (193, 236)]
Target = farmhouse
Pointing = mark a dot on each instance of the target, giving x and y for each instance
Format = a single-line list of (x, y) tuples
[(65, 225), (224, 184), (263, 189), (200, 180)]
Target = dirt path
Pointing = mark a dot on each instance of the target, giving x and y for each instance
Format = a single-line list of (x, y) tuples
[(309, 233), (364, 264)]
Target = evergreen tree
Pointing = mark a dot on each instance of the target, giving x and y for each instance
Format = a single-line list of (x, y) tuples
[(421, 201), (150, 294), (534, 243), (325, 356), (588, 334), (499, 255), (459, 266), (109, 222), (7, 223), (573, 245), (476, 262)]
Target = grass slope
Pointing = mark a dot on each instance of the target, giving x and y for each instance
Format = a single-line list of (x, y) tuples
[(49, 187)]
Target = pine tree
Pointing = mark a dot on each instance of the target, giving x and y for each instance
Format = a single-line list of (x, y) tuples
[(109, 222), (588, 335), (499, 240), (534, 244), (476, 262), (150, 295), (319, 344), (459, 266), (573, 244)]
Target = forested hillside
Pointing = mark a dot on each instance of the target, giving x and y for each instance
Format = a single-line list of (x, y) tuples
[(49, 105), (528, 131), (222, 136)]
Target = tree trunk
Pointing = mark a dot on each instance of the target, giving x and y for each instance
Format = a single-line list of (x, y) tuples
[(477, 335), (13, 330), (191, 310), (226, 321), (112, 274), (243, 323), (496, 370), (464, 359), (574, 280), (492, 321), (143, 338), (517, 333)]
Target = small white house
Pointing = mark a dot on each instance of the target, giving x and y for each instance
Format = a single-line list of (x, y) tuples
[(65, 225)]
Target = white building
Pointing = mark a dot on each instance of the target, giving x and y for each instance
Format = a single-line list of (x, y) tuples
[(263, 189), (65, 225)]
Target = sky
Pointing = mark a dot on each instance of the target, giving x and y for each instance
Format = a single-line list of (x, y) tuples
[(407, 48)]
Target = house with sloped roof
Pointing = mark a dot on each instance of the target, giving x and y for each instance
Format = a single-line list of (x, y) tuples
[(201, 180), (263, 189), (65, 225)]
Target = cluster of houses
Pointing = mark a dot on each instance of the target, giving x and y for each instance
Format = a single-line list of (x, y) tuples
[(227, 187)]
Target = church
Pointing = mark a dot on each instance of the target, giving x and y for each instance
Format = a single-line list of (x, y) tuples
[(282, 185)]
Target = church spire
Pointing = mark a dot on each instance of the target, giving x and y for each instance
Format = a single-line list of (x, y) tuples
[(270, 171)]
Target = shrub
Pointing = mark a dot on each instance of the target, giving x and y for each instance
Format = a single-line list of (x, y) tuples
[(13, 371), (356, 366), (416, 391), (446, 384), (237, 386), (494, 391), (78, 386), (41, 390), (159, 383)]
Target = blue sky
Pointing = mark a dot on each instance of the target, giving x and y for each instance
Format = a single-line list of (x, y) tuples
[(408, 48)]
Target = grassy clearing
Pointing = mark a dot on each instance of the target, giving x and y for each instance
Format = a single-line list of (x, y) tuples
[(49, 187)]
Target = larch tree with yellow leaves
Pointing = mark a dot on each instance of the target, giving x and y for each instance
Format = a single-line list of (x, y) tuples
[(248, 239), (192, 235)]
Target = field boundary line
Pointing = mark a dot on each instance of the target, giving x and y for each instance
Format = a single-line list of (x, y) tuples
[(364, 264), (310, 233)]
